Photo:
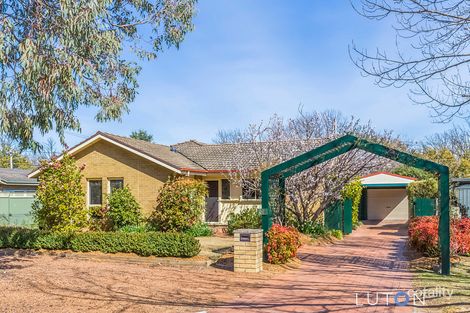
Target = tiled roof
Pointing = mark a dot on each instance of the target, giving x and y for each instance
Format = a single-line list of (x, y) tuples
[(15, 176), (195, 156), (212, 157), (160, 152), (220, 157)]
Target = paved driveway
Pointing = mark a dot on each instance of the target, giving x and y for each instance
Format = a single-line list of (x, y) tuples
[(370, 260)]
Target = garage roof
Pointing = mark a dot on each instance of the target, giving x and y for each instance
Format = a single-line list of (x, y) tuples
[(386, 179)]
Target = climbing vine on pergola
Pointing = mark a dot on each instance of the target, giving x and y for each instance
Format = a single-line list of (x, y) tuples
[(273, 181)]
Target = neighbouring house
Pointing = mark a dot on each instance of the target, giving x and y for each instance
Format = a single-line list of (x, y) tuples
[(462, 194), (112, 161), (385, 197), (16, 196)]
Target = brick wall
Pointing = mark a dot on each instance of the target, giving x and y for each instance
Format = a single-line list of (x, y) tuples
[(106, 161)]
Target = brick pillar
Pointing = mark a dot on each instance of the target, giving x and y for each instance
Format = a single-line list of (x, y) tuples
[(248, 250)]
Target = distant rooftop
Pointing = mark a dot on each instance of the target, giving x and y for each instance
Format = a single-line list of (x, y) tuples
[(16, 176)]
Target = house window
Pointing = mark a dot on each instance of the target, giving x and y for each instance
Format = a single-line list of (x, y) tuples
[(115, 184), (250, 189), (95, 192), (225, 189)]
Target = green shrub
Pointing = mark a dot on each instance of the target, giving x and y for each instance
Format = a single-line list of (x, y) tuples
[(99, 219), (357, 225), (338, 234), (200, 230), (123, 208), (60, 198), (145, 244), (246, 218), (143, 228), (422, 189), (283, 243), (353, 191), (25, 238), (315, 229), (180, 204)]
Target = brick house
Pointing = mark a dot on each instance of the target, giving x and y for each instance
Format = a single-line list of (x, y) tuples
[(112, 161)]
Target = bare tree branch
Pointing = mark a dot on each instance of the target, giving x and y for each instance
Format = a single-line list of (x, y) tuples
[(432, 52), (307, 193)]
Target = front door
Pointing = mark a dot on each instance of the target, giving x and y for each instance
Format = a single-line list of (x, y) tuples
[(212, 201)]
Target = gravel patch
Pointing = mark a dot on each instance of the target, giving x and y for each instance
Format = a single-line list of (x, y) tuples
[(32, 282)]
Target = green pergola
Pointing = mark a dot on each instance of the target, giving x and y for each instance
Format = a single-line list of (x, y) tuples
[(273, 181)]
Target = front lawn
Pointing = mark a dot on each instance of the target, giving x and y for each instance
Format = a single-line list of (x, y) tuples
[(458, 282)]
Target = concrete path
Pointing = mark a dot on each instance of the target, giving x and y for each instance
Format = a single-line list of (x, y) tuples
[(337, 278)]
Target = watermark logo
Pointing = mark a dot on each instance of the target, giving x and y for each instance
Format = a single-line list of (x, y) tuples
[(413, 297)]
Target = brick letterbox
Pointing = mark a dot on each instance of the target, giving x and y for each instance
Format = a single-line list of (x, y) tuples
[(248, 250)]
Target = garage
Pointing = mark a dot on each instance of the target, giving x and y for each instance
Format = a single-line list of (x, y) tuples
[(385, 197)]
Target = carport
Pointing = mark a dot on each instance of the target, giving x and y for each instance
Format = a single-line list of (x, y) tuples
[(384, 197)]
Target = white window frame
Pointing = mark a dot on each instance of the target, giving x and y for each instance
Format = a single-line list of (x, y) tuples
[(111, 179)]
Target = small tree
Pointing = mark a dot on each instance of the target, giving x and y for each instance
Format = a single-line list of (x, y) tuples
[(124, 210), (142, 135), (60, 198), (411, 171), (426, 188), (180, 204)]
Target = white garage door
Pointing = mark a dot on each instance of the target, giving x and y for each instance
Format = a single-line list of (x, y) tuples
[(387, 204)]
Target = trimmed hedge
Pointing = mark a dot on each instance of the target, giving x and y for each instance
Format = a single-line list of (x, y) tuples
[(145, 244)]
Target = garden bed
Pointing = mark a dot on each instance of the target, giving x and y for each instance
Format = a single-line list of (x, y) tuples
[(145, 244), (130, 258)]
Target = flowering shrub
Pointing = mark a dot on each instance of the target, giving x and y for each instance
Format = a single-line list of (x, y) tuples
[(60, 197), (180, 204), (461, 236), (283, 243), (424, 235)]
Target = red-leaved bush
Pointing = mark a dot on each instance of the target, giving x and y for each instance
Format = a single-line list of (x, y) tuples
[(283, 243), (424, 235)]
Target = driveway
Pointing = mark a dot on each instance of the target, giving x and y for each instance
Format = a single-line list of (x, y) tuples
[(369, 260), (337, 278)]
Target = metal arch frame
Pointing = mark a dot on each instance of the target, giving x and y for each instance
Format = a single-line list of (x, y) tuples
[(278, 174)]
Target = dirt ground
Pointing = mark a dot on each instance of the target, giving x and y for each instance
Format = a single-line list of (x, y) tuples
[(45, 283)]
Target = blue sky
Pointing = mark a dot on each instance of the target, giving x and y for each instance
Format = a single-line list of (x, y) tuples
[(247, 60)]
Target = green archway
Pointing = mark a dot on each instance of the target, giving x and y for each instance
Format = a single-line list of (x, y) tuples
[(274, 179)]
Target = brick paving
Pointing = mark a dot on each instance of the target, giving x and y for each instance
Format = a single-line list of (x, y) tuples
[(372, 259)]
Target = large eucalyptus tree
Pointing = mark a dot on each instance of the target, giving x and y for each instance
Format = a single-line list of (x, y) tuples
[(59, 55)]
